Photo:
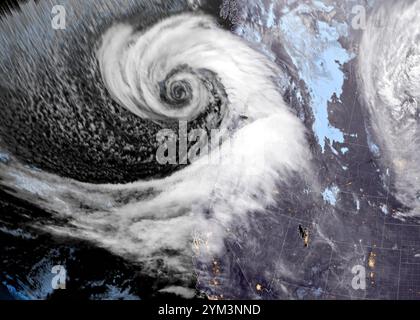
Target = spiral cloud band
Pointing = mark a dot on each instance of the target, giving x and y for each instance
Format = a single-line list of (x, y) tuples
[(389, 67), (154, 83), (184, 67)]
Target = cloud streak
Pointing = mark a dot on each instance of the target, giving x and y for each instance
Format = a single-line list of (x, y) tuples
[(389, 69)]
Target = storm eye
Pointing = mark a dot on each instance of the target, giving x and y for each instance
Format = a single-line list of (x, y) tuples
[(179, 90), (177, 93)]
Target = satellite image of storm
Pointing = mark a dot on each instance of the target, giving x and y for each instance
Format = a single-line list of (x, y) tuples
[(210, 150)]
